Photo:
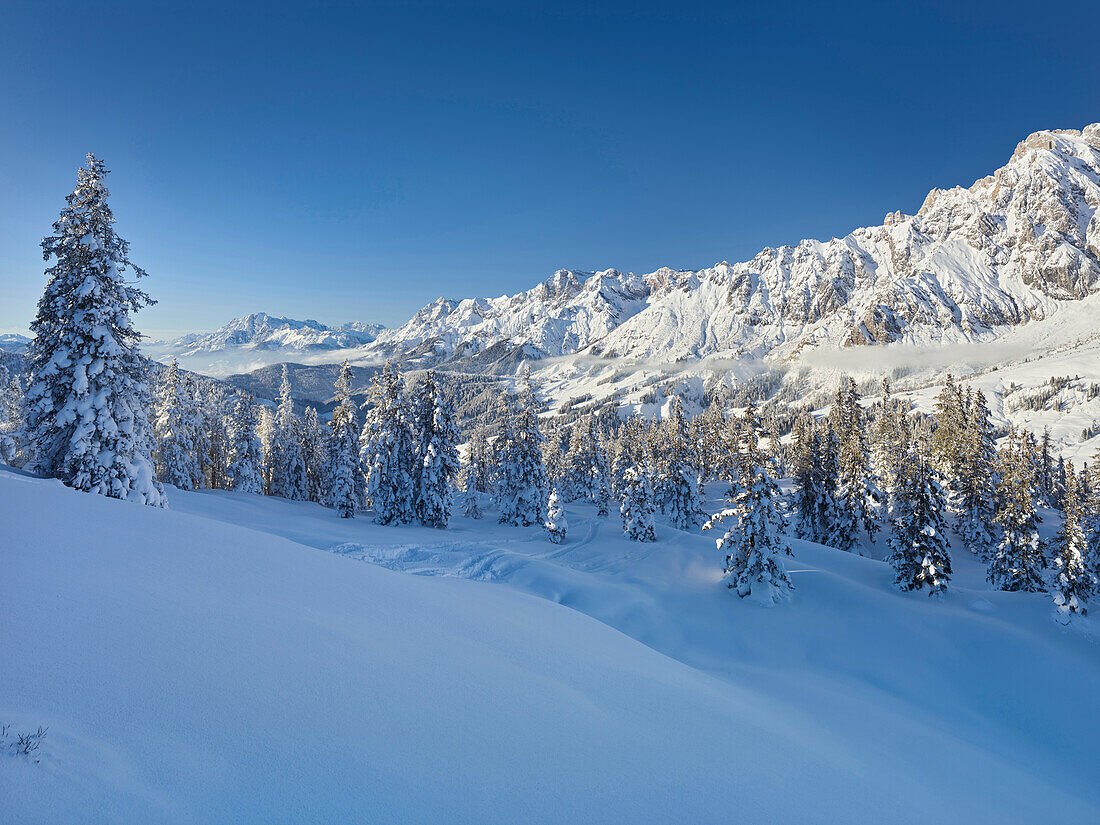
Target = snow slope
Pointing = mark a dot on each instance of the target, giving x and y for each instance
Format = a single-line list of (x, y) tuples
[(246, 659)]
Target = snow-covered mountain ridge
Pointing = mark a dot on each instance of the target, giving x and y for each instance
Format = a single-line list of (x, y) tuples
[(972, 261), (260, 339)]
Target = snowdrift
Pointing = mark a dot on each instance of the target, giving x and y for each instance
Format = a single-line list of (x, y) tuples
[(240, 659)]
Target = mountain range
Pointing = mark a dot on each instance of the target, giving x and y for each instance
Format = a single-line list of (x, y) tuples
[(1005, 270)]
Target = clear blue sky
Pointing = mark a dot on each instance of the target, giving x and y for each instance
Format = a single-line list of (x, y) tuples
[(356, 161)]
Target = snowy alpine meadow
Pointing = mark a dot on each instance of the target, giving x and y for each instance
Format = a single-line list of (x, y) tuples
[(568, 563)]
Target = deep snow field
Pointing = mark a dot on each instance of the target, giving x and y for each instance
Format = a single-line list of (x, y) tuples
[(245, 659)]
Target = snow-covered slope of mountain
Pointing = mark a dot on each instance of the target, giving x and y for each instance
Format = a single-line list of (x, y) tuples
[(261, 339), (563, 314), (971, 262), (245, 659)]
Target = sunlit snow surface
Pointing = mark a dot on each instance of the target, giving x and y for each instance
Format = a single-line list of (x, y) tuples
[(246, 659)]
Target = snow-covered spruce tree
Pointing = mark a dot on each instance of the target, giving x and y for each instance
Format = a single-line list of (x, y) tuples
[(629, 451), (813, 459), (437, 453), (471, 502), (1070, 583), (679, 478), (889, 442), (387, 450), (918, 543), (11, 419), (245, 470), (581, 461), (288, 467), (1045, 466), (603, 496), (977, 487), (556, 526), (314, 445), (85, 404), (1089, 495), (753, 542), (638, 507), (479, 461), (176, 456), (523, 482), (212, 439), (949, 442), (1017, 562), (265, 431), (856, 493), (343, 476)]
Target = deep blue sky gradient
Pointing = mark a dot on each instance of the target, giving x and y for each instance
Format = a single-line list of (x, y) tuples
[(355, 161)]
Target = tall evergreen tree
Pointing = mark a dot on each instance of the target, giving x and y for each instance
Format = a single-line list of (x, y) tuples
[(856, 492), (1070, 583), (175, 429), (638, 507), (679, 480), (314, 445), (918, 543), (344, 479), (88, 393), (978, 483), (889, 442), (949, 442), (754, 542), (245, 470), (437, 467), (11, 418), (1017, 563), (288, 466), (523, 482), (471, 498), (388, 451), (556, 526)]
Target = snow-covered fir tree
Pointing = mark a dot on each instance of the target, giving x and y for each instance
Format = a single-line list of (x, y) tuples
[(1017, 561), (1070, 583), (245, 470), (949, 442), (638, 507), (582, 463), (437, 454), (978, 484), (556, 526), (11, 419), (387, 450), (85, 410), (753, 541), (344, 481), (176, 430), (603, 495), (522, 484), (856, 493), (212, 439), (889, 442), (813, 459), (471, 497), (314, 445), (478, 461), (679, 480), (287, 464), (266, 431), (918, 541)]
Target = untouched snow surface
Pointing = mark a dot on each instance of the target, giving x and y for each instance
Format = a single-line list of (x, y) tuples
[(246, 659)]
